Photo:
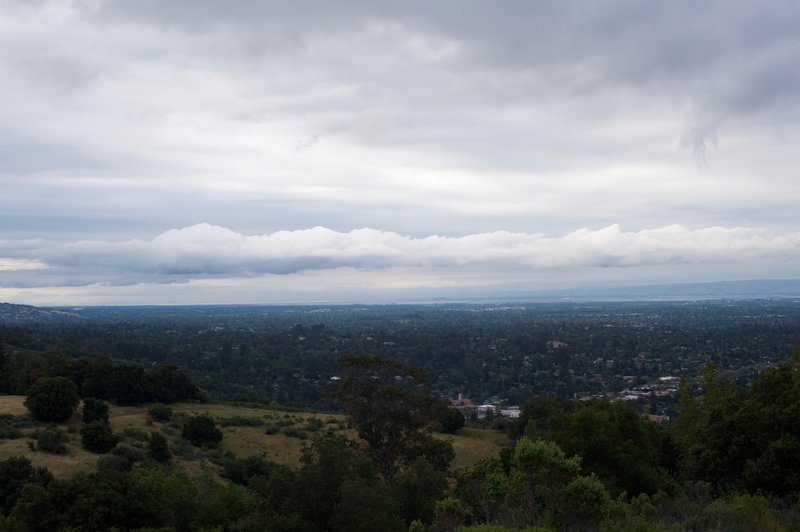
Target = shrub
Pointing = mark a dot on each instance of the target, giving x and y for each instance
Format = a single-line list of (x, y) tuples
[(94, 410), (51, 440), (450, 420), (96, 437), (16, 472), (294, 432), (157, 448), (114, 462), (314, 424), (160, 412), (135, 434), (9, 427), (201, 430), (131, 454), (52, 399), (241, 421)]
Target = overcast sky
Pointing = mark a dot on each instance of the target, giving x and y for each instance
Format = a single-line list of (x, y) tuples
[(256, 152)]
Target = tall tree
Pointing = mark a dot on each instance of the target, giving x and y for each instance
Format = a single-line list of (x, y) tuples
[(52, 398), (388, 405)]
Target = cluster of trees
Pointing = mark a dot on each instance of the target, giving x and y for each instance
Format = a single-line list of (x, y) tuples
[(727, 462), (121, 383)]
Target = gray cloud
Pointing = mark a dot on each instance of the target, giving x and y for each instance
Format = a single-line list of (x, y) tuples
[(455, 118), (203, 251)]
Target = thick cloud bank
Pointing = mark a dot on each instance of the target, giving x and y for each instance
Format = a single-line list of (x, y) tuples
[(207, 251)]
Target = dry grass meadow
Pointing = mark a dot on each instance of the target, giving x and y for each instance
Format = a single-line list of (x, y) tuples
[(275, 434)]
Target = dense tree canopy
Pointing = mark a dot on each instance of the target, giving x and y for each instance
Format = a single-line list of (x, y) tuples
[(201, 430), (94, 410), (52, 398), (388, 405), (97, 437)]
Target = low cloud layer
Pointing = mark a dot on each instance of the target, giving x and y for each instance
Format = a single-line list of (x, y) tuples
[(205, 251)]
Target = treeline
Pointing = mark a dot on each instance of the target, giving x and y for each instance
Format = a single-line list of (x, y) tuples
[(122, 383), (727, 462)]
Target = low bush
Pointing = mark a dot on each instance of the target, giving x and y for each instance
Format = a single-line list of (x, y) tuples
[(160, 412), (294, 432), (114, 462), (202, 430), (9, 427), (96, 437), (51, 440), (241, 421)]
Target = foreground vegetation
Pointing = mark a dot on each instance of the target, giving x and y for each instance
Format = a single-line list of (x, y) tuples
[(728, 462)]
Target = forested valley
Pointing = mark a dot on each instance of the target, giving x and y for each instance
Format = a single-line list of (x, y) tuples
[(633, 416)]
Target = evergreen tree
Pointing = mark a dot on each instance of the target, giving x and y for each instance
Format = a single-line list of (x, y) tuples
[(52, 398)]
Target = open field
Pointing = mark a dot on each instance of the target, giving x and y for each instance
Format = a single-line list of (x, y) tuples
[(277, 435)]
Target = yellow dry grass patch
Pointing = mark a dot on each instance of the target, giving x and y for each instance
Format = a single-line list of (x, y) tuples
[(249, 441), (12, 404)]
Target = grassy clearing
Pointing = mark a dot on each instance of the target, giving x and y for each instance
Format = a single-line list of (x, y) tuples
[(473, 445), (12, 404), (246, 435)]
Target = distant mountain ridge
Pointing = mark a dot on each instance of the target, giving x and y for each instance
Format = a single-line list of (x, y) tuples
[(12, 313), (752, 288)]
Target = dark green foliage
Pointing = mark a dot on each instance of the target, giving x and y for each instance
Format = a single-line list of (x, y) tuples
[(9, 427), (450, 514), (131, 454), (169, 385), (94, 410), (341, 490), (5, 369), (586, 503), (157, 448), (135, 433), (450, 419), (15, 473), (51, 440), (103, 501), (97, 437), (613, 441), (542, 486), (294, 432), (114, 462), (241, 421), (129, 385), (160, 412), (418, 489), (745, 440), (241, 471), (201, 430), (314, 424), (23, 368), (391, 412), (52, 399)]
